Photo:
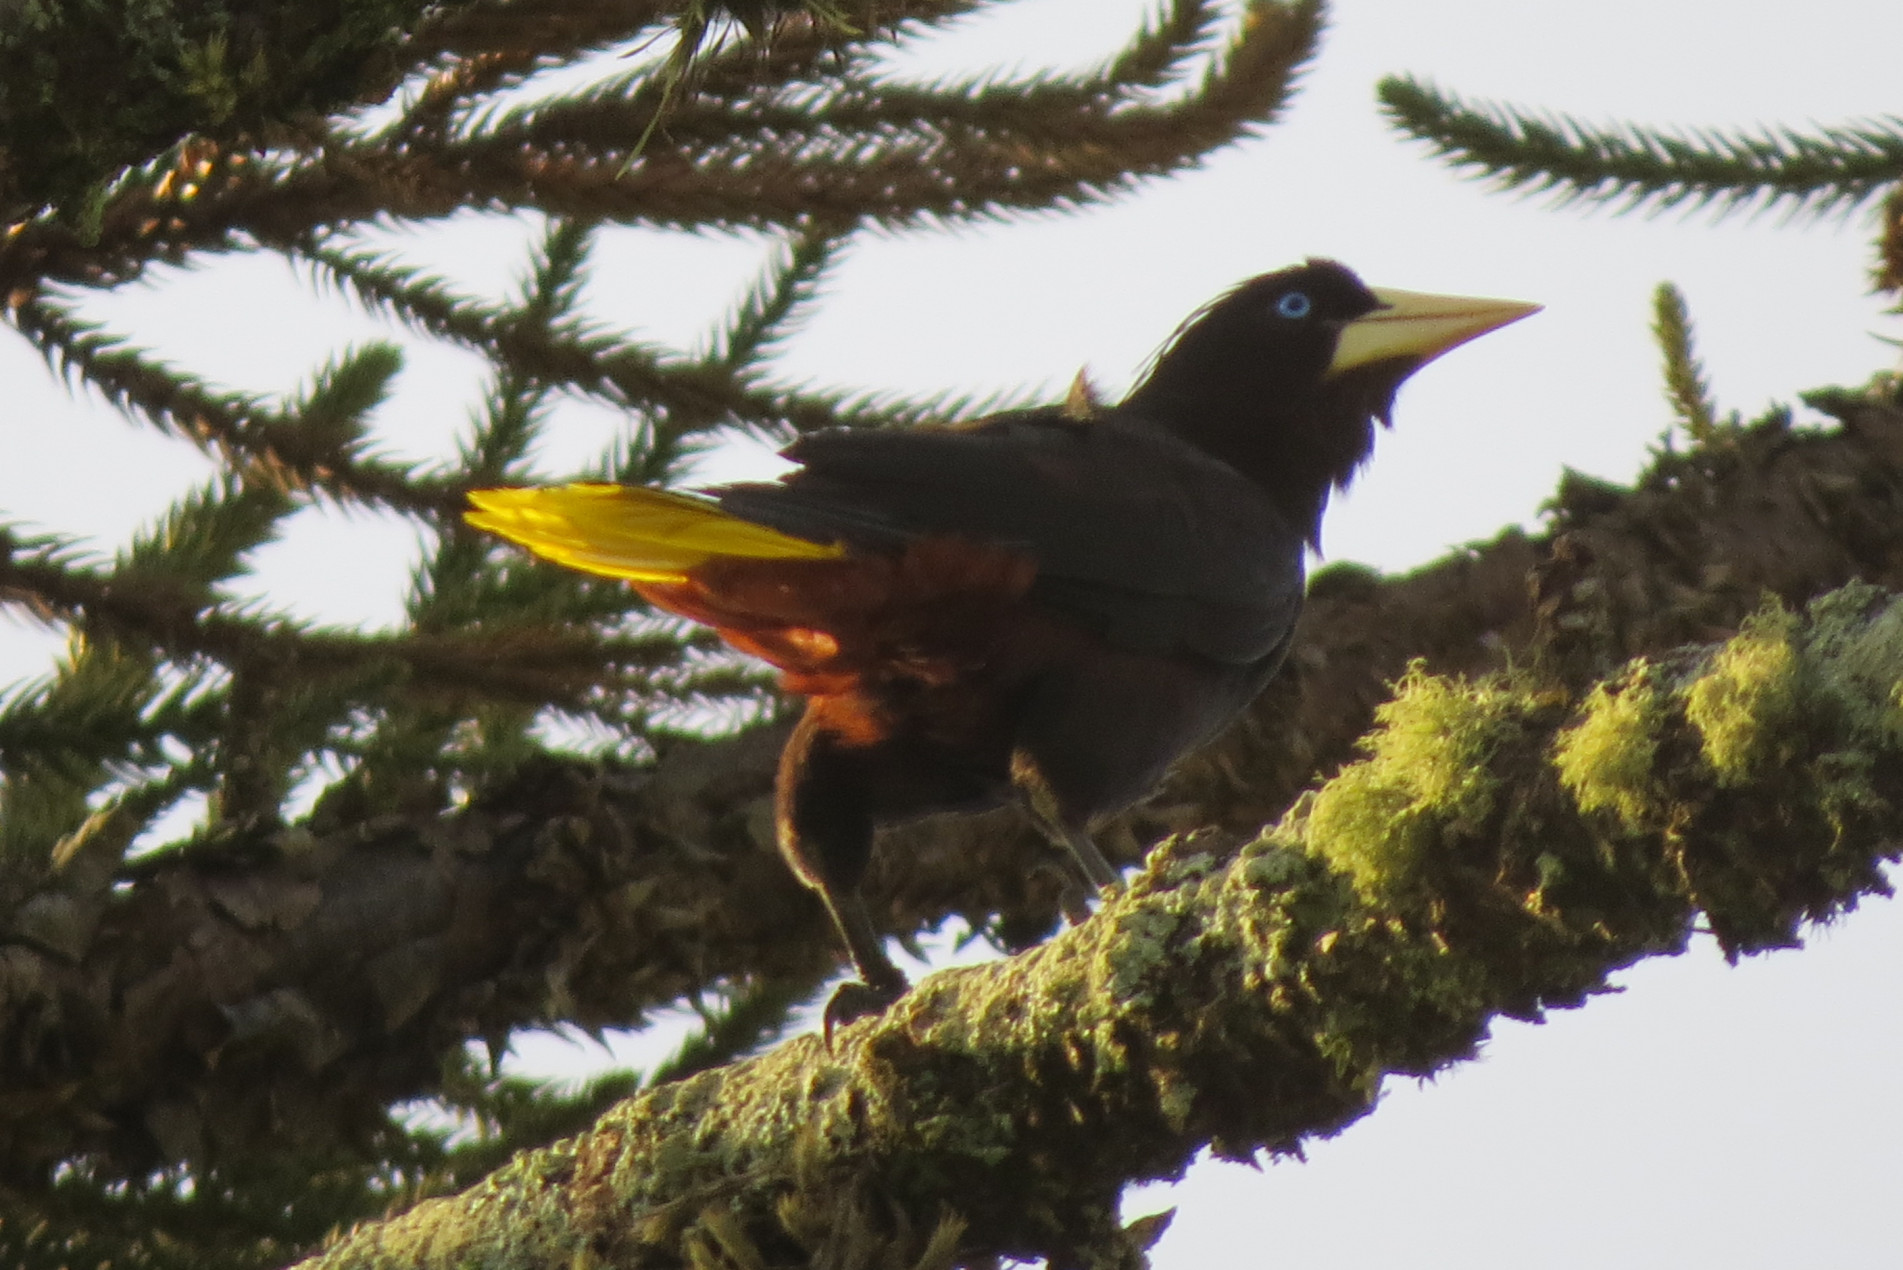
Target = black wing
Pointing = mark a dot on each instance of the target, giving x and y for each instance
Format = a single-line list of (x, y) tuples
[(1144, 538)]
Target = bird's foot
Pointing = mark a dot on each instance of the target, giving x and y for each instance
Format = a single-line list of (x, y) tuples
[(1074, 895), (856, 999), (1075, 899)]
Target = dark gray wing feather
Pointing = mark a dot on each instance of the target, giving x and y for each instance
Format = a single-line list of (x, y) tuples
[(1141, 536)]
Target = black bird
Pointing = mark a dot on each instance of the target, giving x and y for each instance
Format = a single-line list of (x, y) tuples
[(1047, 605)]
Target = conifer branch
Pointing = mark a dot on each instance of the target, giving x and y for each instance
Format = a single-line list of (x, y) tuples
[(546, 28), (524, 596), (509, 663), (790, 283), (555, 27), (454, 586), (308, 445), (1685, 384), (89, 715), (90, 92), (695, 396), (1156, 53), (854, 110), (511, 421), (1831, 170), (960, 170), (257, 1218), (102, 706), (325, 427), (91, 95), (283, 202), (1888, 275), (201, 540), (785, 53)]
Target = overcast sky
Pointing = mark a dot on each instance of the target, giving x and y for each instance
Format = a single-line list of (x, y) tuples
[(1742, 1117)]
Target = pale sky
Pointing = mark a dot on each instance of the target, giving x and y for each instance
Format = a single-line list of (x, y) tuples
[(1742, 1117)]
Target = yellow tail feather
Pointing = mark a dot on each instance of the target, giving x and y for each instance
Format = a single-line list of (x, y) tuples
[(628, 531)]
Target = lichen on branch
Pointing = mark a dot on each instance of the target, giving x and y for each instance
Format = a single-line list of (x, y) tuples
[(1249, 994)]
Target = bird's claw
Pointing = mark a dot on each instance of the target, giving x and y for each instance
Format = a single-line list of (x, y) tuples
[(855, 999), (1075, 899)]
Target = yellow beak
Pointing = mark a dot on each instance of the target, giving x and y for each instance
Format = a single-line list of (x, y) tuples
[(1411, 326)]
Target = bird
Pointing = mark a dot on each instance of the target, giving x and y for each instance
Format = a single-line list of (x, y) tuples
[(1046, 606)]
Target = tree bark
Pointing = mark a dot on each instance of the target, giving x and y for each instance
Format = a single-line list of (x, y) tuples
[(1500, 851)]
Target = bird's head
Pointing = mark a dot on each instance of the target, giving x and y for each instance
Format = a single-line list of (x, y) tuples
[(1284, 376)]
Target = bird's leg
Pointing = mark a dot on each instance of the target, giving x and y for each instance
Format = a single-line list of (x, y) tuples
[(1077, 892), (880, 983), (1096, 869), (1097, 872), (824, 826), (1074, 899), (1060, 819), (1063, 829)]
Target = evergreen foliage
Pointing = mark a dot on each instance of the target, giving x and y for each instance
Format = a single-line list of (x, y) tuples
[(86, 89), (259, 132), (1835, 169), (1686, 386), (221, 1044)]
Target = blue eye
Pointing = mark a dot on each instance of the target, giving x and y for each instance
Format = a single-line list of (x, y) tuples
[(1293, 304)]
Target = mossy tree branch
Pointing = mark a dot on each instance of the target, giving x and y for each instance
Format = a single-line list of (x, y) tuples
[(1499, 852)]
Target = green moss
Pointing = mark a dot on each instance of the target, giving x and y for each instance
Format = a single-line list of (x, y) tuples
[(1426, 773), (1605, 760), (1748, 697), (1856, 651)]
